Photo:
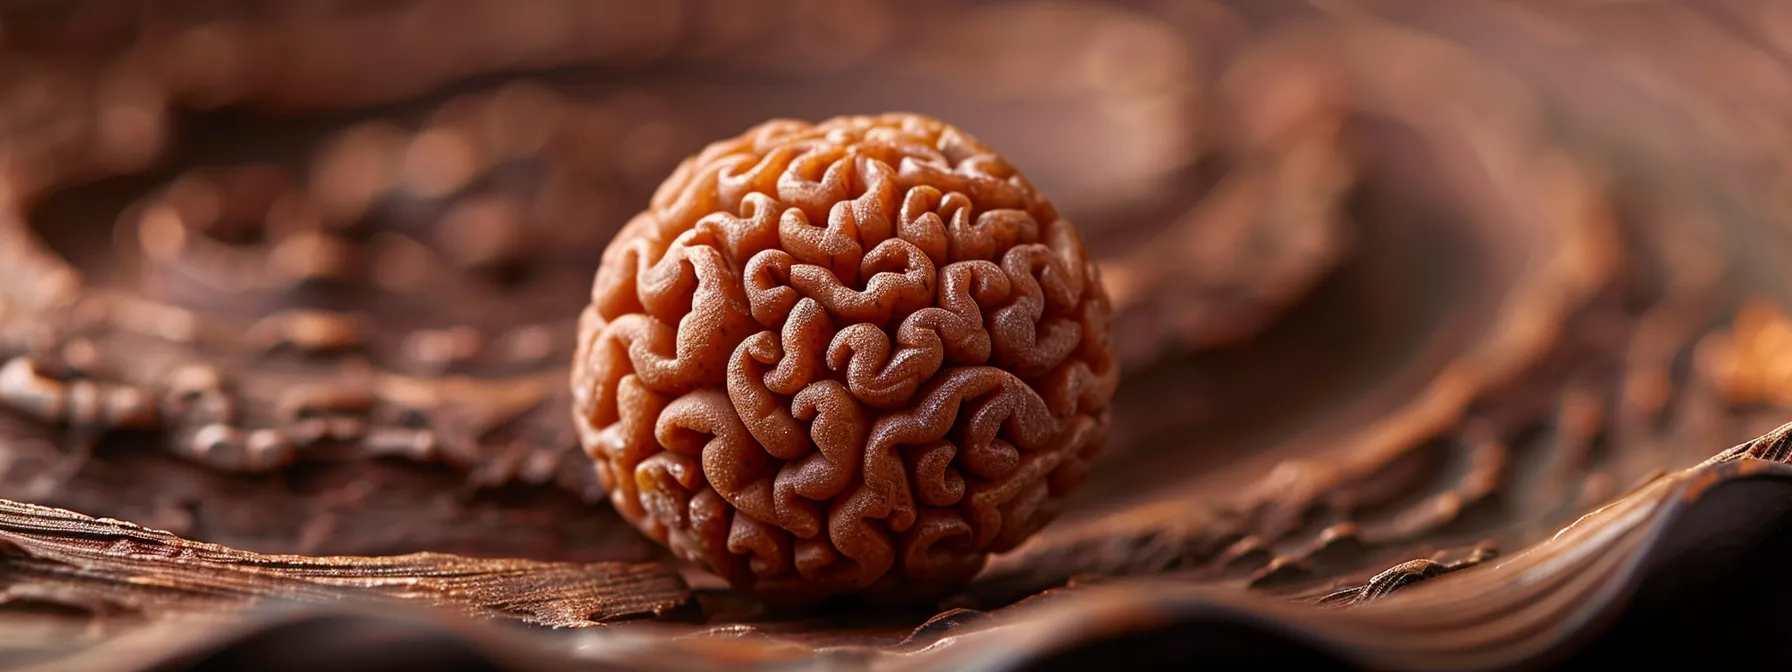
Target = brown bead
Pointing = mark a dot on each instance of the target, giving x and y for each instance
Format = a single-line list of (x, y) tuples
[(854, 356)]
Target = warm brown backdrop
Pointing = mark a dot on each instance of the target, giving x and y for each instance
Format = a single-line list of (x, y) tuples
[(1404, 288)]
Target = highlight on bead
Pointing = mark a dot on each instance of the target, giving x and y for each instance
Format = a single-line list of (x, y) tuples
[(856, 356)]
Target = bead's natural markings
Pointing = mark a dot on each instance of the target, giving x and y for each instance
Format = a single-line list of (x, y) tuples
[(858, 355)]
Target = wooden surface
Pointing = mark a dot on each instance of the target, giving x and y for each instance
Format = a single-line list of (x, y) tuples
[(1435, 322)]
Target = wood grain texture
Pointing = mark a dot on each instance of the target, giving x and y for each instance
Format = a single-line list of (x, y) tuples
[(112, 567), (1516, 612), (1431, 318)]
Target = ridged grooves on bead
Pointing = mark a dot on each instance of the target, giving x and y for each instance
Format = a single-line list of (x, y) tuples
[(859, 355)]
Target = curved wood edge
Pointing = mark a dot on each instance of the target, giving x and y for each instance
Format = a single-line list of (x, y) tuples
[(107, 567), (1524, 610)]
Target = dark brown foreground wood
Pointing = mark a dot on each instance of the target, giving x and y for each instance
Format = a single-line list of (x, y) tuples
[(1424, 615), (113, 568), (1431, 315)]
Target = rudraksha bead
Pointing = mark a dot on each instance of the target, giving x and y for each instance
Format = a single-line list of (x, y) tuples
[(853, 356)]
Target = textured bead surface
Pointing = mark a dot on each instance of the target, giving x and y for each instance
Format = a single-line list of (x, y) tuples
[(852, 356)]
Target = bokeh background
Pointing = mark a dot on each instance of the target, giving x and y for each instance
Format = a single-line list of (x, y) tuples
[(1394, 279)]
